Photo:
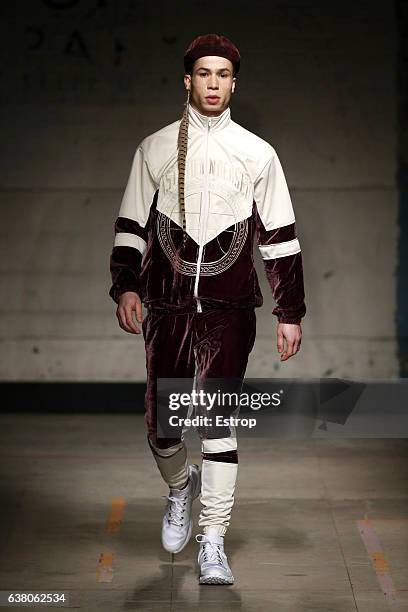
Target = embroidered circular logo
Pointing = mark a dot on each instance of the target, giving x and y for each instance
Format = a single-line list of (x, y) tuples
[(222, 256)]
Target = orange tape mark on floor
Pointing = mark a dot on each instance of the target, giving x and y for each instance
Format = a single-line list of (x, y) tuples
[(104, 571), (115, 515), (380, 562), (377, 556)]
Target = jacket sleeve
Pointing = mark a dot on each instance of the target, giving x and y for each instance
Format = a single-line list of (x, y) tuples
[(131, 231), (278, 242)]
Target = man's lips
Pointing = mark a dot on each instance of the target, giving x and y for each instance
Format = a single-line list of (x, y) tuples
[(213, 99)]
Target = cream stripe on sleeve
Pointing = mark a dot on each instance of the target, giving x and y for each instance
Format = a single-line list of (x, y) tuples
[(125, 239), (272, 251)]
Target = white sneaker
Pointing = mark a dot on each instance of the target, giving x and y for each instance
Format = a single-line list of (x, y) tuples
[(214, 568), (177, 522)]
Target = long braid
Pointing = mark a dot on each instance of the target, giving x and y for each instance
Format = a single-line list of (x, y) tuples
[(182, 143)]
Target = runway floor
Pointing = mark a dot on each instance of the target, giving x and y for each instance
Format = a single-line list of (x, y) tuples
[(318, 525)]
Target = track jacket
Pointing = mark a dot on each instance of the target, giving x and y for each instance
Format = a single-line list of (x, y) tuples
[(235, 193)]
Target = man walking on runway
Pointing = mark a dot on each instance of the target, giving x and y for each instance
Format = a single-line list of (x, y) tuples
[(200, 191)]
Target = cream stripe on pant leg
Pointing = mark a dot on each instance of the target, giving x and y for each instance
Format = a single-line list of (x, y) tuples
[(218, 480)]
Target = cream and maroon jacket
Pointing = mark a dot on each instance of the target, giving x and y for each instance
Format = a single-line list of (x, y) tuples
[(235, 193)]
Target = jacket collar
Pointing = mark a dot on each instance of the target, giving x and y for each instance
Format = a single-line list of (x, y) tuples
[(201, 122)]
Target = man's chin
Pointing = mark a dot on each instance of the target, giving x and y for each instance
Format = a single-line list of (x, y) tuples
[(218, 104), (218, 107)]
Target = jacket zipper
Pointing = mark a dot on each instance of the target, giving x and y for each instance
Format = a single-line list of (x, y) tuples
[(204, 220)]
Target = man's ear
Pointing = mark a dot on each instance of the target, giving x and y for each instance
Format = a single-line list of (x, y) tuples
[(187, 81), (234, 80)]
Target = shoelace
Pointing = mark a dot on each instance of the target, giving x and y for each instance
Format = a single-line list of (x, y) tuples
[(211, 550), (175, 509)]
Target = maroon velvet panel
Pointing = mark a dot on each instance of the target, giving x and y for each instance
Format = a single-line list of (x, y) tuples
[(285, 276), (130, 226), (164, 286), (277, 235), (226, 457), (125, 264)]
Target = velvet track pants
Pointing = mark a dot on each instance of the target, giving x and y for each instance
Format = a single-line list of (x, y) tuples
[(211, 344)]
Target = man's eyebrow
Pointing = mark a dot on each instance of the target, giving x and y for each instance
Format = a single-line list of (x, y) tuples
[(209, 70)]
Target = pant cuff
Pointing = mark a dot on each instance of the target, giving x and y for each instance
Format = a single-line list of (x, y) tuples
[(220, 530)]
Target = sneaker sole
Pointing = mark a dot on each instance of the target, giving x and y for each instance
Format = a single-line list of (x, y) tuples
[(215, 580)]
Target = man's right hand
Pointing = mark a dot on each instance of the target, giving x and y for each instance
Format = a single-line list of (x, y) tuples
[(129, 302)]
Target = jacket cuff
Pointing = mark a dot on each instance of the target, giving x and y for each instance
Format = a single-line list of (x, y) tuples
[(125, 264), (116, 290), (289, 320)]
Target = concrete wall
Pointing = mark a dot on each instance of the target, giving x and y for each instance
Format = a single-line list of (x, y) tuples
[(82, 85)]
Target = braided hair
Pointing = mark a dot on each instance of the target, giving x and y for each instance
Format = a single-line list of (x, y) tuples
[(182, 143)]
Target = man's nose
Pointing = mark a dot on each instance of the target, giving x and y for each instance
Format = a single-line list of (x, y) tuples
[(213, 83)]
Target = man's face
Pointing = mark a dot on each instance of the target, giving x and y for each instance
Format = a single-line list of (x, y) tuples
[(211, 85)]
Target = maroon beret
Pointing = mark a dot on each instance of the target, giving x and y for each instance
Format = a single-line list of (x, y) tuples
[(211, 44)]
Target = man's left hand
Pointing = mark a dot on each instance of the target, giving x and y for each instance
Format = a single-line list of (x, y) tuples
[(292, 334)]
